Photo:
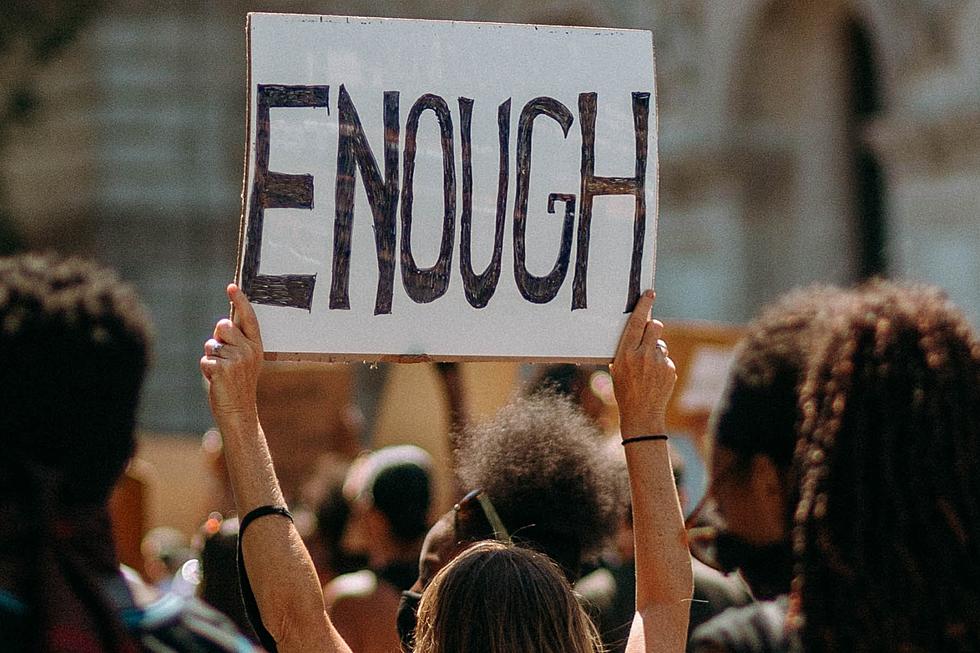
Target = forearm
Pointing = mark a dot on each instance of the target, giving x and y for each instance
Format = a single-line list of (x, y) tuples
[(250, 468), (663, 562), (281, 573), (644, 377), (664, 578)]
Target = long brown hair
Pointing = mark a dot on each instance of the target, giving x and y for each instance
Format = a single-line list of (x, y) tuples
[(888, 524), (499, 598)]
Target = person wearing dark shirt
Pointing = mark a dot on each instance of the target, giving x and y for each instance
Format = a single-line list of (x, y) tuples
[(753, 488), (74, 348)]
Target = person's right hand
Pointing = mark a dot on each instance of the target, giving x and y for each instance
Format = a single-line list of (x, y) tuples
[(232, 361), (643, 374)]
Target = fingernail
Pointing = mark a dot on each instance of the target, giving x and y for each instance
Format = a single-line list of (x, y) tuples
[(648, 293)]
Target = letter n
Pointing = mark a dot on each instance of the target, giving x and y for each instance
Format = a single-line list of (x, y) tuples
[(353, 151)]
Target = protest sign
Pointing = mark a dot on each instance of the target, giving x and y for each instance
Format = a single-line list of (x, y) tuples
[(448, 191)]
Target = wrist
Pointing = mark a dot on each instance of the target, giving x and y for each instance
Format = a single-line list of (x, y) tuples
[(650, 425), (238, 423)]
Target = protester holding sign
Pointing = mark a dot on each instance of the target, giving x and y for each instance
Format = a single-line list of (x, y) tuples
[(285, 583)]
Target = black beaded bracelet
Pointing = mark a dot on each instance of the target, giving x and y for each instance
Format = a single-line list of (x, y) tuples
[(643, 438)]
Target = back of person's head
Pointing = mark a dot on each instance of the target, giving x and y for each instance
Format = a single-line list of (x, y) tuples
[(540, 462), (397, 481), (73, 352), (888, 524), (495, 598), (758, 412)]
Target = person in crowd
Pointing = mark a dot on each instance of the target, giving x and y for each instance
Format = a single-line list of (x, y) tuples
[(887, 529), (753, 486), (322, 517), (539, 461), (610, 590), (74, 348), (389, 492), (538, 478), (219, 586), (453, 616)]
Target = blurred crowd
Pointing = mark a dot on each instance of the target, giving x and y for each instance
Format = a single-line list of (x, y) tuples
[(842, 513)]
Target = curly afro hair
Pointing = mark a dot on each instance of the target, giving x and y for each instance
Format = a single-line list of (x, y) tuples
[(541, 462)]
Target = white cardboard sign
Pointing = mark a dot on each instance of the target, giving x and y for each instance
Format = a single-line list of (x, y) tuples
[(444, 190)]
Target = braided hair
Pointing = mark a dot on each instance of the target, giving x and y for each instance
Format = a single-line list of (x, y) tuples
[(887, 530)]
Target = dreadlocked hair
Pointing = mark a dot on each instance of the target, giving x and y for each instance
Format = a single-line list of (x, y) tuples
[(540, 461), (887, 530)]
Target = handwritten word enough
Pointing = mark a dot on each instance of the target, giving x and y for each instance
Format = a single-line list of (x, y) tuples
[(272, 190)]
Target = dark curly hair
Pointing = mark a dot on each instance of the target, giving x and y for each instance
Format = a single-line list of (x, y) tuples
[(541, 463), (888, 523), (758, 413), (74, 345), (73, 352)]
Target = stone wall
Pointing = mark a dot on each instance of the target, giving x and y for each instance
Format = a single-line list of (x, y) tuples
[(137, 155)]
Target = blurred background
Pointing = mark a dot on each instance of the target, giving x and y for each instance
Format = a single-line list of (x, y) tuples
[(800, 141)]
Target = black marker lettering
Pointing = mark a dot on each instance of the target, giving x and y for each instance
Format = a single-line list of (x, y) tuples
[(593, 186), (276, 190), (539, 290), (426, 285), (353, 151), (479, 288)]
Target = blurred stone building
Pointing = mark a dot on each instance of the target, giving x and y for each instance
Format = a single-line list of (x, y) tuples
[(800, 141)]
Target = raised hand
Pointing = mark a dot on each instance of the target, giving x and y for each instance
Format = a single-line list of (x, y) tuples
[(643, 373), (232, 361)]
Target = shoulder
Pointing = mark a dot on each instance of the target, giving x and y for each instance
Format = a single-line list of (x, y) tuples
[(755, 628), (713, 585), (715, 592)]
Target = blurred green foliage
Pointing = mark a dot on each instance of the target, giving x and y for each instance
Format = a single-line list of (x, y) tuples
[(32, 34)]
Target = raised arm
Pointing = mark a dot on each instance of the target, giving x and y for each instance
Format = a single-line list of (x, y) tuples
[(643, 379), (279, 568)]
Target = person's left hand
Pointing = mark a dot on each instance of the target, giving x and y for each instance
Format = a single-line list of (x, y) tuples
[(643, 373), (232, 361)]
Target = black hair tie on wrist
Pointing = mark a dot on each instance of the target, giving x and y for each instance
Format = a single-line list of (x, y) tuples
[(643, 438), (248, 597), (262, 511)]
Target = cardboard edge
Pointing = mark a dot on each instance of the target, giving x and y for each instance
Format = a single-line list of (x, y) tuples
[(307, 357), (248, 144), (309, 17), (656, 154)]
